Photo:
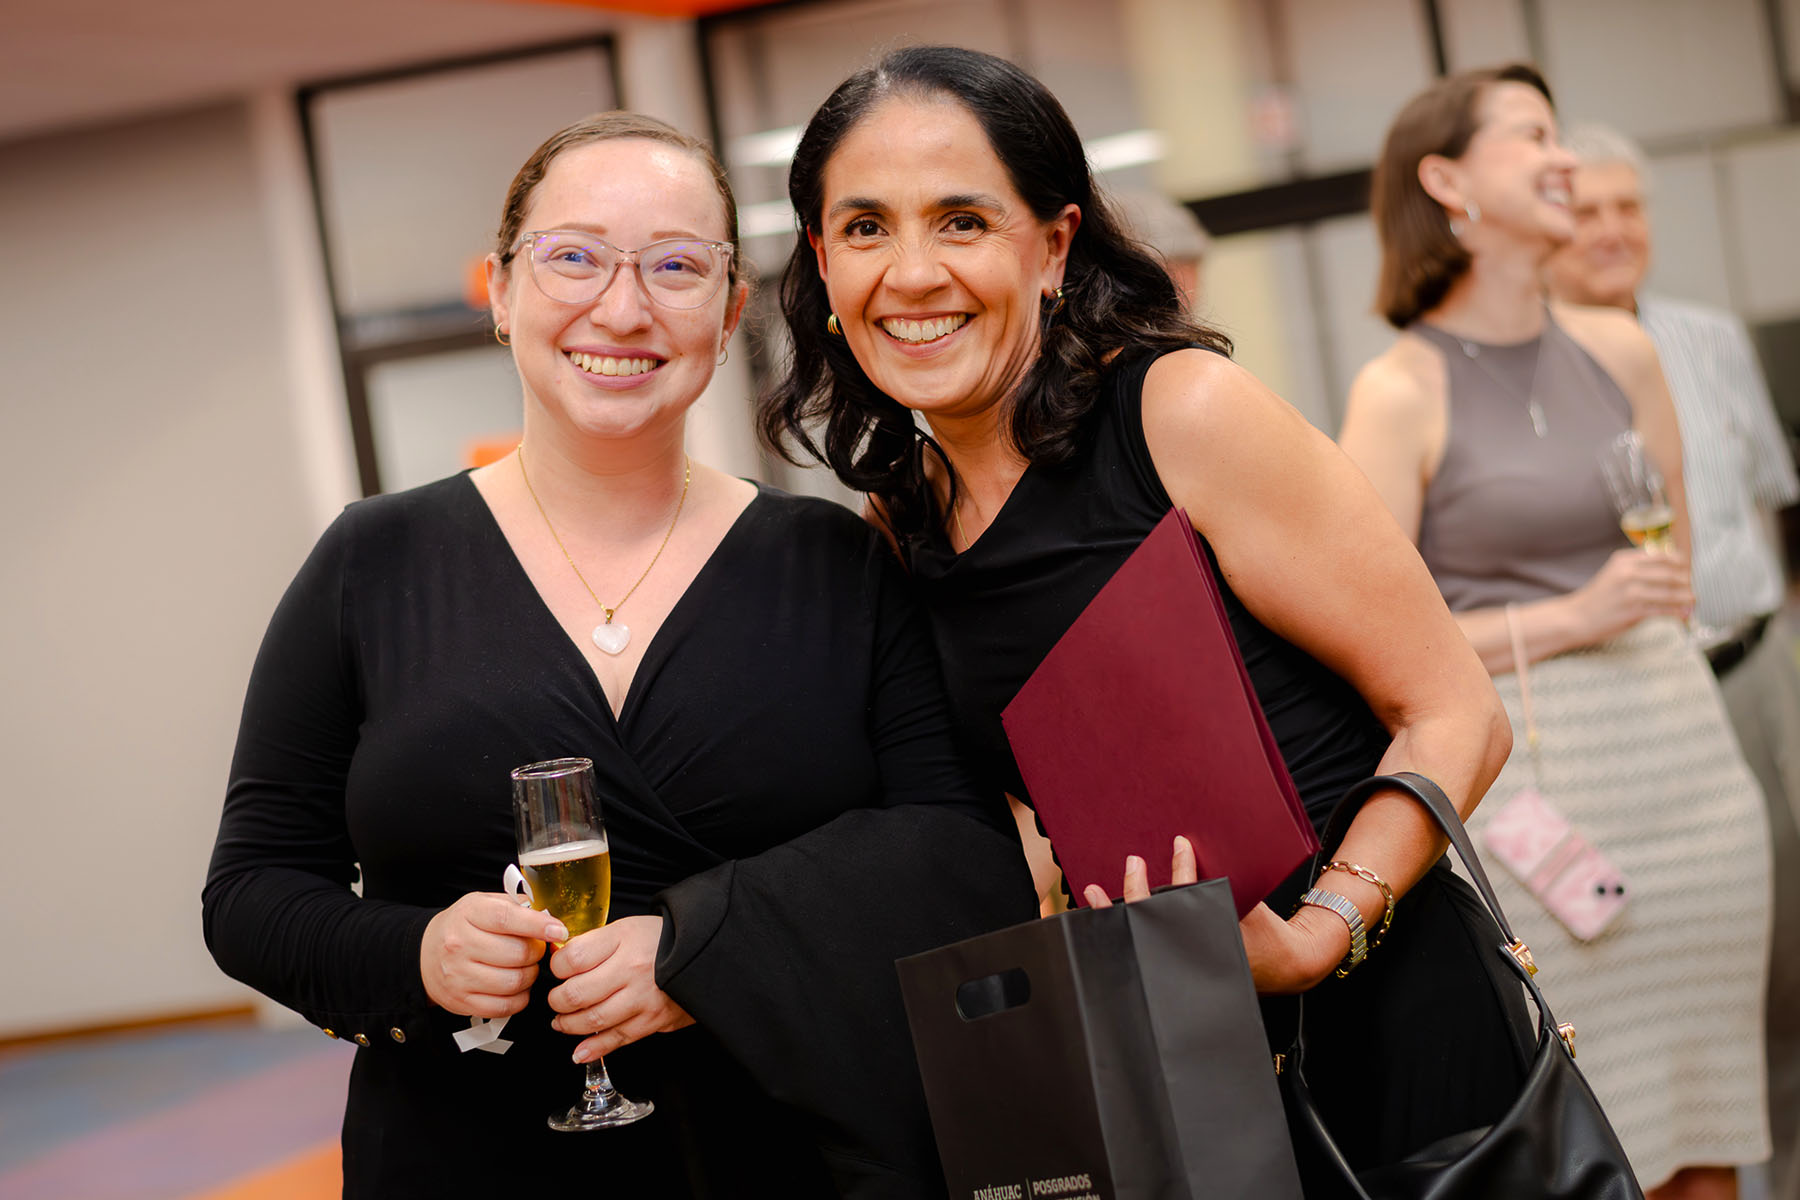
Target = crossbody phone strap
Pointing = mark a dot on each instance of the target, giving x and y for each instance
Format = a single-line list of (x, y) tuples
[(1518, 652)]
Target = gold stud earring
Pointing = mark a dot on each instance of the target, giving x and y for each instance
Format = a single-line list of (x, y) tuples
[(500, 335), (832, 327), (1056, 302)]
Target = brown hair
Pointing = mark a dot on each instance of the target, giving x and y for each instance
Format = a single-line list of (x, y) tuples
[(607, 127), (1420, 256)]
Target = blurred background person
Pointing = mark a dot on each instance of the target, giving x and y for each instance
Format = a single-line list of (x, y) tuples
[(1739, 473), (1482, 427), (1172, 230)]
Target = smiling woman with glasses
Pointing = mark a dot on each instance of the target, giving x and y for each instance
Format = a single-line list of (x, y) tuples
[(785, 808)]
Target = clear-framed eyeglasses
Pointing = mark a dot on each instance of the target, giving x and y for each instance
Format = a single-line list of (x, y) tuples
[(574, 268)]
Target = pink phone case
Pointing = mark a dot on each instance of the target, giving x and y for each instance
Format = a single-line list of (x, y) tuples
[(1572, 879)]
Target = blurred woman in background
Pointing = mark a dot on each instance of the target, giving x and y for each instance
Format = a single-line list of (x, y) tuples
[(1482, 428)]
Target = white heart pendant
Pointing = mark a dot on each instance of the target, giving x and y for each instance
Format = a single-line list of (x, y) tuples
[(612, 638)]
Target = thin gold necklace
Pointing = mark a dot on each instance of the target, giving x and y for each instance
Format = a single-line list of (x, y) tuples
[(611, 636), (956, 515)]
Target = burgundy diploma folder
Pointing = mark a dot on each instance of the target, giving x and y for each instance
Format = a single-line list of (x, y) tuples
[(1141, 724)]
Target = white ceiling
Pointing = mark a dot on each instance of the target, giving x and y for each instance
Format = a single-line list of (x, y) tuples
[(74, 62)]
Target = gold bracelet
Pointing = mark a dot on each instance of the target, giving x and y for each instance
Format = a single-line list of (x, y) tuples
[(1368, 876)]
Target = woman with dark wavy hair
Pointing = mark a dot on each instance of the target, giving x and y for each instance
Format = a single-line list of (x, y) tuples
[(959, 265)]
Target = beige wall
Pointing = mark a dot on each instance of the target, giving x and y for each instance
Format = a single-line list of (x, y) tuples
[(155, 508)]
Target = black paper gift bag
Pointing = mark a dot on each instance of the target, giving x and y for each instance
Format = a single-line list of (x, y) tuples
[(1112, 1054)]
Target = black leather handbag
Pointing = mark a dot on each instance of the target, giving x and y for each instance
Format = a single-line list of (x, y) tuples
[(1554, 1143)]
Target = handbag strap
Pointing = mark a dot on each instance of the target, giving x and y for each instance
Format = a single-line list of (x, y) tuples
[(1303, 1112), (1515, 953), (1432, 798)]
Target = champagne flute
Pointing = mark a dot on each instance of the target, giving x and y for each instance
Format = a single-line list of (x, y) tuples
[(567, 866), (1645, 513)]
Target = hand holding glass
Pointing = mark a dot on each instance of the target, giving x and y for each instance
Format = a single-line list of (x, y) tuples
[(567, 865), (1643, 506)]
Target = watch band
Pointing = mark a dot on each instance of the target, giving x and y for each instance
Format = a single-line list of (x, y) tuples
[(1359, 941)]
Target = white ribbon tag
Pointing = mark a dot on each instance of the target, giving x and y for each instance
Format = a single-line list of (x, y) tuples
[(483, 1033)]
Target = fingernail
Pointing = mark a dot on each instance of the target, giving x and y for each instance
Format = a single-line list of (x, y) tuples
[(555, 932), (580, 1055), (1134, 863), (1181, 843)]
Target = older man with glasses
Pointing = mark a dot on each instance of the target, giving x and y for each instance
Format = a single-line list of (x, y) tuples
[(1739, 473)]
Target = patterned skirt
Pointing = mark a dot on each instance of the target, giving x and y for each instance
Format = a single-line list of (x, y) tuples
[(1636, 752)]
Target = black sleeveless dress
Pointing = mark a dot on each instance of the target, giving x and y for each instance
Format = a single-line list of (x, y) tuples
[(1423, 1040)]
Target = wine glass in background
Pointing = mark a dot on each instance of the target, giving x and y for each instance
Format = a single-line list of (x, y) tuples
[(567, 865), (1643, 505)]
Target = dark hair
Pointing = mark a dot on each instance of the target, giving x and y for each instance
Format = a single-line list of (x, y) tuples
[(607, 127), (1420, 256), (1117, 293)]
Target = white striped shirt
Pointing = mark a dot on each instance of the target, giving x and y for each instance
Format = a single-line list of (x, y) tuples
[(1734, 457)]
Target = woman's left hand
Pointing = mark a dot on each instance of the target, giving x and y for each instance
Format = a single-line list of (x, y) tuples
[(609, 990), (1285, 956)]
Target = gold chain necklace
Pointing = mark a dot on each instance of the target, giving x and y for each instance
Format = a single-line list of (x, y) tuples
[(612, 637)]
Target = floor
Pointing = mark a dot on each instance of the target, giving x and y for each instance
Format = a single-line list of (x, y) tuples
[(226, 1111), (215, 1112)]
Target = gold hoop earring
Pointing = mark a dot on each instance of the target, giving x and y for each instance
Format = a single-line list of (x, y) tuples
[(832, 327), (500, 335), (724, 355), (1056, 302)]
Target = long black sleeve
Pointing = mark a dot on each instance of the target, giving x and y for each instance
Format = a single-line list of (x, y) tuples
[(787, 956), (816, 924), (278, 908)]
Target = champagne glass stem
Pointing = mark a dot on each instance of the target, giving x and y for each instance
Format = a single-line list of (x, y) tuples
[(599, 1093), (601, 1106)]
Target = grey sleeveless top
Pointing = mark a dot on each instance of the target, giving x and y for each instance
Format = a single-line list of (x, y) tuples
[(1511, 515)]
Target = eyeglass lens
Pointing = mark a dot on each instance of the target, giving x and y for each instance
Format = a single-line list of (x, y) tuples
[(575, 268)]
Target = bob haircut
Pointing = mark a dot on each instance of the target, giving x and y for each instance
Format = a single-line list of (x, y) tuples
[(1117, 294), (1420, 256), (608, 127)]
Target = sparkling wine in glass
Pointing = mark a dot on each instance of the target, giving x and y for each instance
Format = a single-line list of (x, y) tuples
[(1650, 527), (1643, 505), (564, 857)]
